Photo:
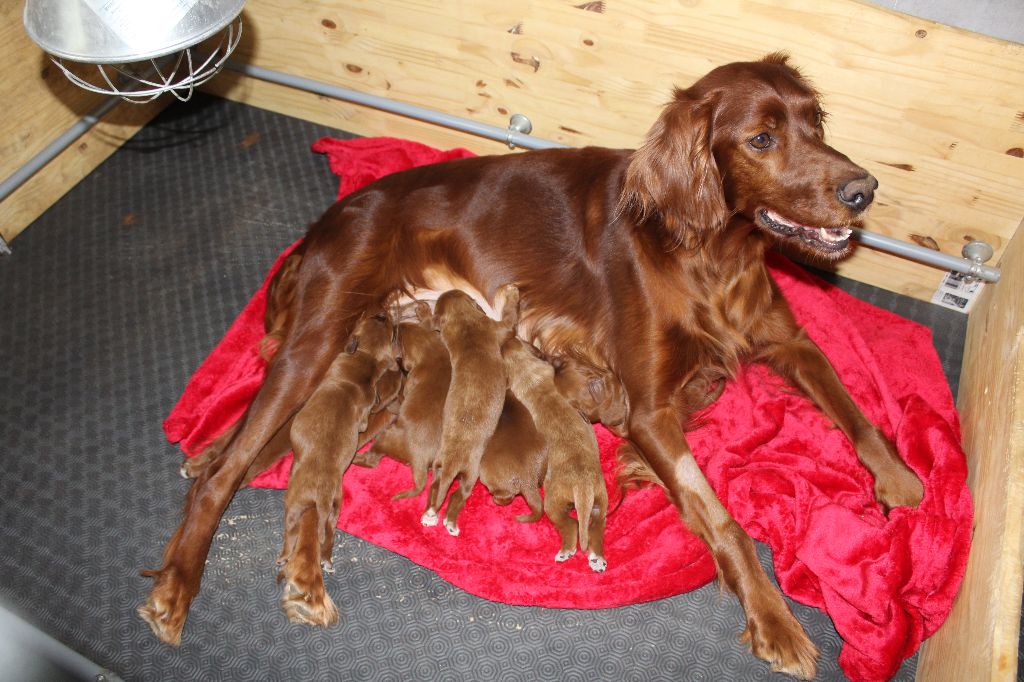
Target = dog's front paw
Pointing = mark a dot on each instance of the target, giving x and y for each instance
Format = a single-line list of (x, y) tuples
[(779, 639), (453, 528), (598, 563), (564, 555), (167, 606), (899, 487), (429, 518)]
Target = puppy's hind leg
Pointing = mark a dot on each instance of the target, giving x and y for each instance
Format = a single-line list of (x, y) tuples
[(532, 497), (566, 526)]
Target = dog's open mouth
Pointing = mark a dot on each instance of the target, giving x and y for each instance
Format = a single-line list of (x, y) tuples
[(831, 239)]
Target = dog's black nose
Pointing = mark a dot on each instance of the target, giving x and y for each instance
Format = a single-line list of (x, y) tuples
[(859, 192)]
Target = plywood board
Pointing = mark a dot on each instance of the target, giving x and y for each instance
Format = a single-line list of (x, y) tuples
[(979, 640), (934, 112)]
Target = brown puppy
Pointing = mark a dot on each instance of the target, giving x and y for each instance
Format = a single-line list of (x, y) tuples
[(325, 435), (475, 395), (573, 477), (415, 436), (515, 459)]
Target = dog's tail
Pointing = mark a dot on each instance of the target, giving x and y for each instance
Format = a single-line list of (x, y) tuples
[(584, 501)]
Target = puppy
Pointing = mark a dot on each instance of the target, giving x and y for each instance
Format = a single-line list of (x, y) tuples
[(515, 459), (324, 436), (475, 395), (415, 436), (573, 477)]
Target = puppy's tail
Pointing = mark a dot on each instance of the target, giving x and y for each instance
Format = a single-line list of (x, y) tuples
[(584, 501)]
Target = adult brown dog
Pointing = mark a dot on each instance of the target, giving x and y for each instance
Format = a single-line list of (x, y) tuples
[(475, 395), (573, 478), (324, 436), (647, 262)]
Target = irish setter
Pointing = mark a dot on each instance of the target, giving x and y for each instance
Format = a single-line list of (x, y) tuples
[(649, 263)]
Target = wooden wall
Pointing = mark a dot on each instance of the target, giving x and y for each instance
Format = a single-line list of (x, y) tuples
[(40, 104), (937, 114), (979, 640)]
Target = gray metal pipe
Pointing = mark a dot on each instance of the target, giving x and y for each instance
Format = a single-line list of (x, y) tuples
[(871, 239), (929, 256), (395, 107)]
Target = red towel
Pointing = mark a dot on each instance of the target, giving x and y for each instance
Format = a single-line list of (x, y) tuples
[(788, 477)]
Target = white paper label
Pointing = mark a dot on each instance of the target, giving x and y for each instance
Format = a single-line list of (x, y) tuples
[(958, 291)]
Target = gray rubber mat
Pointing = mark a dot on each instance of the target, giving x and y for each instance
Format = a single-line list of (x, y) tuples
[(108, 303)]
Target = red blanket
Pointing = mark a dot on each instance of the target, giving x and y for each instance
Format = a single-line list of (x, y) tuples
[(789, 478)]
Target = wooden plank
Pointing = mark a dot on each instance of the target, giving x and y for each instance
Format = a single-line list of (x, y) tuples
[(934, 112), (41, 104), (979, 640)]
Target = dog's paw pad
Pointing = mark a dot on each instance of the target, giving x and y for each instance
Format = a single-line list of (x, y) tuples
[(429, 518), (598, 563), (564, 555), (327, 565)]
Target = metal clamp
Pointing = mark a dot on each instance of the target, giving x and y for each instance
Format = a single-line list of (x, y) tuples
[(519, 124), (978, 252)]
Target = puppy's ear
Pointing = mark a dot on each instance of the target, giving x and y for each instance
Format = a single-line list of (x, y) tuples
[(423, 313), (673, 177), (353, 344)]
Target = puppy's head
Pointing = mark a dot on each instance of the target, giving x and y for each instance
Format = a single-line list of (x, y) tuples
[(373, 335), (456, 307), (417, 342), (594, 391)]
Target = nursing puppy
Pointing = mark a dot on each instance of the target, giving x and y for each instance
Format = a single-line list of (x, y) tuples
[(415, 436), (475, 395), (324, 437), (515, 459), (573, 477)]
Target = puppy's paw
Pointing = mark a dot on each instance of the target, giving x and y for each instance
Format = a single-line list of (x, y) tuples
[(597, 563), (327, 565), (429, 518), (564, 555), (453, 528)]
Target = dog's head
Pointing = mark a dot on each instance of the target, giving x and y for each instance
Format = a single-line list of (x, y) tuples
[(747, 140)]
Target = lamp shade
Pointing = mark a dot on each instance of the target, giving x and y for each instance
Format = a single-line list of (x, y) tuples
[(123, 31)]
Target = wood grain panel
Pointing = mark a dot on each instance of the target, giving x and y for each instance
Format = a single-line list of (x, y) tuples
[(979, 640)]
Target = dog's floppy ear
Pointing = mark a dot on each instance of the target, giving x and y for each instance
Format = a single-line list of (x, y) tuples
[(353, 344), (673, 177)]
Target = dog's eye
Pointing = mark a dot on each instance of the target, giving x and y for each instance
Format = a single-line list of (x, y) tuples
[(761, 142)]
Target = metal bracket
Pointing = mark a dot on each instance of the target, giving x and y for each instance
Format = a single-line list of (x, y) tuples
[(978, 253), (5, 249), (519, 124)]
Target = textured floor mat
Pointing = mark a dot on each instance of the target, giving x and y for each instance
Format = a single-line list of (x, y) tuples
[(108, 303)]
